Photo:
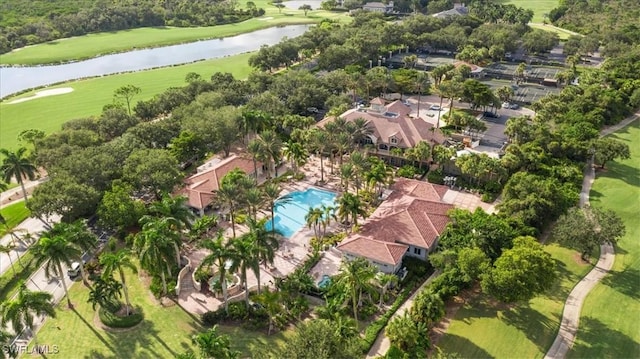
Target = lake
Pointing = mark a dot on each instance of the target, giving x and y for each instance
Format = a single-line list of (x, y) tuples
[(16, 79)]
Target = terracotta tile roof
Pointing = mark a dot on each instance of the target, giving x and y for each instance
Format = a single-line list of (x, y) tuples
[(413, 214), (420, 189), (377, 101), (408, 131), (379, 251), (201, 186)]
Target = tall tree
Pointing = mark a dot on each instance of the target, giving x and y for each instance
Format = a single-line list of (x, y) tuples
[(521, 272), (17, 165), (272, 192), (112, 262), (350, 207), (173, 207), (265, 241), (588, 227), (408, 336), (126, 93), (53, 252), (79, 236), (221, 255), (356, 277), (244, 258), (20, 311), (156, 250), (229, 194), (7, 249), (295, 153), (313, 219), (608, 149), (214, 345), (272, 145)]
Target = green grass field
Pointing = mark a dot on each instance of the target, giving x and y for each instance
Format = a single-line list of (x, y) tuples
[(165, 331), (539, 7), (92, 45), (484, 329), (609, 326), (14, 214), (89, 96)]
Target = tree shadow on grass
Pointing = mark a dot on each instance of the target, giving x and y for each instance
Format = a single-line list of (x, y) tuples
[(539, 329), (93, 329), (626, 282), (619, 171), (596, 340), (451, 343)]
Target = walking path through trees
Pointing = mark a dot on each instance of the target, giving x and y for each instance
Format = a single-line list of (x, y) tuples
[(571, 314)]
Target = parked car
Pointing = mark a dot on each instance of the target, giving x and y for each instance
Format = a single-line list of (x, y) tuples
[(505, 105), (514, 106), (435, 108), (491, 114), (74, 270)]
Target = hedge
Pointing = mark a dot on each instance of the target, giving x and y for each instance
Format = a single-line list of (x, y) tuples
[(372, 331), (113, 321)]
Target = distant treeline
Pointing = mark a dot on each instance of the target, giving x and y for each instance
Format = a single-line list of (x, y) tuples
[(25, 23)]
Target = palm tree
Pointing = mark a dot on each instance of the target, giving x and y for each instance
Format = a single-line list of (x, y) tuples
[(356, 277), (20, 311), (346, 173), (296, 154), (254, 198), (272, 302), (244, 257), (214, 345), (229, 194), (421, 152), (257, 152), (117, 261), (17, 165), (422, 82), (320, 142), (272, 193), (265, 241), (7, 250), (313, 219), (156, 251), (385, 280), (359, 161), (81, 237), (221, 254), (168, 228), (378, 176), (328, 213), (105, 293), (349, 206), (359, 129), (53, 252), (173, 207), (272, 146)]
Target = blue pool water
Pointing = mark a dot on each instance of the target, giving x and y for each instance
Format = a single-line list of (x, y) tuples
[(289, 216)]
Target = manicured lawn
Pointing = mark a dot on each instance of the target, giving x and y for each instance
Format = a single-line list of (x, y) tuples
[(539, 7), (482, 328), (609, 326), (93, 45), (562, 33), (14, 214), (89, 96), (165, 331)]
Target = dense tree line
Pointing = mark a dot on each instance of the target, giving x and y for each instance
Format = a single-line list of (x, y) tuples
[(28, 23)]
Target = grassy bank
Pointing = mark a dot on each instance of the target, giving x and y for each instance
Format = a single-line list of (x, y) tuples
[(539, 7), (483, 328), (93, 45), (164, 333), (89, 96), (14, 214), (609, 326)]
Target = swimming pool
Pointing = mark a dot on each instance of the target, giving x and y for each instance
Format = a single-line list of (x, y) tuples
[(289, 216)]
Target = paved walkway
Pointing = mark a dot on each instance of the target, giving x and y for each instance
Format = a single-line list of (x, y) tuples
[(382, 343), (571, 314)]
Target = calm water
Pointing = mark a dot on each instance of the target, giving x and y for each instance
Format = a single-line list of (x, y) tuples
[(295, 4), (15, 79), (289, 217)]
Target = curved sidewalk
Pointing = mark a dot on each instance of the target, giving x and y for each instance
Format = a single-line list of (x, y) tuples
[(571, 314)]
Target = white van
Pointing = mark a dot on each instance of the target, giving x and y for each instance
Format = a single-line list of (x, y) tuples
[(74, 270)]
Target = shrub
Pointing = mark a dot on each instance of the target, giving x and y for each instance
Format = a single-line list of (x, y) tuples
[(212, 318), (372, 331), (417, 269), (407, 171), (114, 321), (488, 197), (238, 311), (436, 177), (156, 286)]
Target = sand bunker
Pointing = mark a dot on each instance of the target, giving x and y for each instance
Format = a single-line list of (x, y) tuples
[(44, 93), (266, 18)]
